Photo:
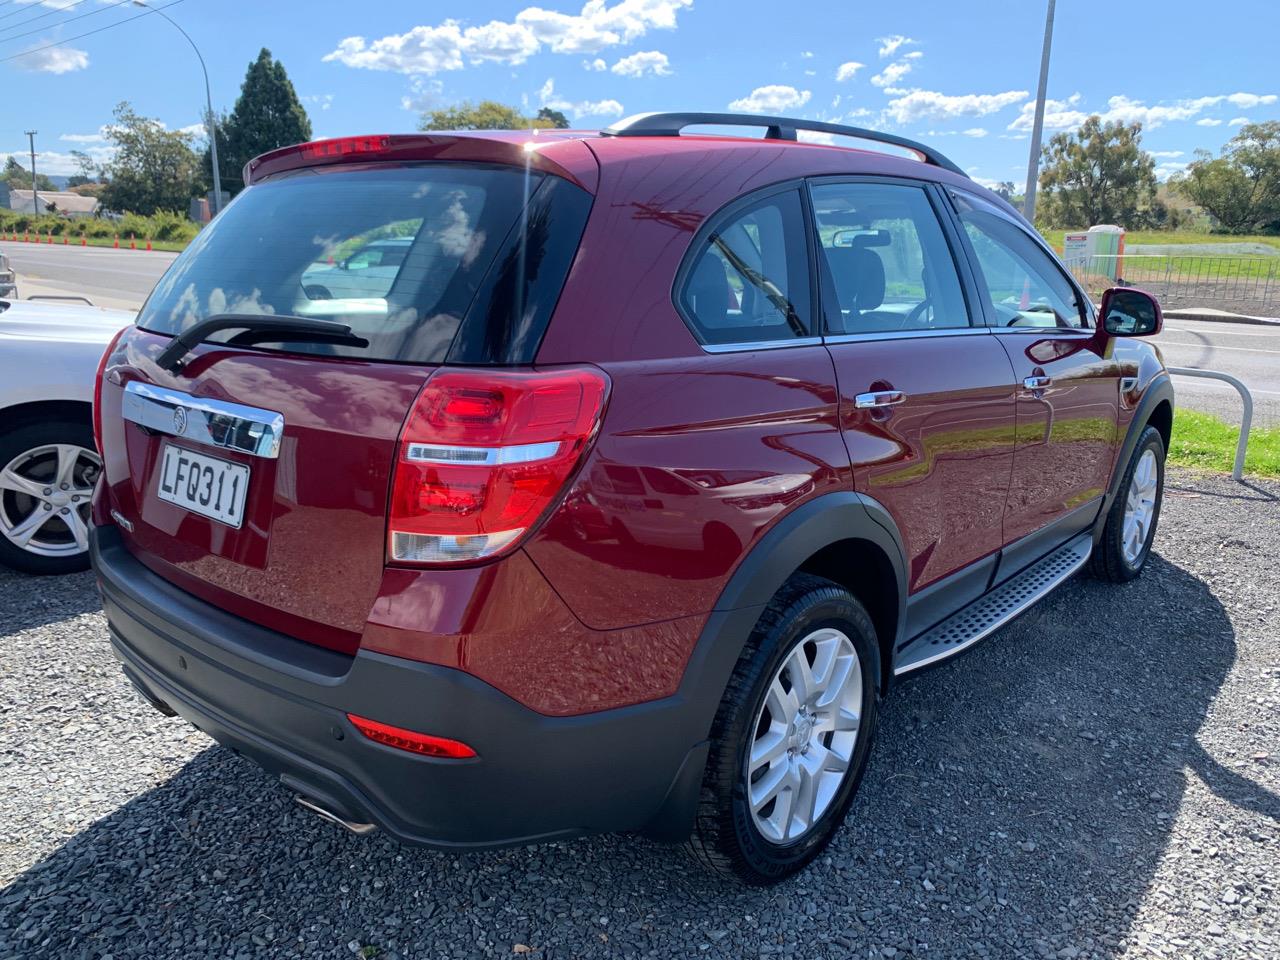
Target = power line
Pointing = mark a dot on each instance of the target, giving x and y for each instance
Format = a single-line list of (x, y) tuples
[(79, 16), (88, 33), (40, 16)]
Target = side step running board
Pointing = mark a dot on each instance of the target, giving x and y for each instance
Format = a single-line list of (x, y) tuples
[(987, 614)]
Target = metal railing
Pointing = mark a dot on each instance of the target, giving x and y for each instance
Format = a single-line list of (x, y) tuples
[(1186, 277), (1246, 419)]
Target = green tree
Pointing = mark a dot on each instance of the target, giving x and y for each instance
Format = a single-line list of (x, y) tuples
[(553, 118), (267, 115), (19, 177), (153, 168), (88, 170), (488, 115), (1241, 188), (1100, 174)]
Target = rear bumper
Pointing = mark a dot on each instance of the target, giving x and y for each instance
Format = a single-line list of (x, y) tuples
[(283, 703)]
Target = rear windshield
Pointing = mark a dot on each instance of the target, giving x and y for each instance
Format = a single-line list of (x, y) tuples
[(397, 252)]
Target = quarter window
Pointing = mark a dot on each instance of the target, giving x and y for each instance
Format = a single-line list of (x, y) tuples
[(1024, 286), (749, 279), (890, 264)]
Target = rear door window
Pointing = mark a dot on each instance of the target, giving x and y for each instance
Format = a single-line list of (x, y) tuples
[(398, 252), (888, 258), (748, 279)]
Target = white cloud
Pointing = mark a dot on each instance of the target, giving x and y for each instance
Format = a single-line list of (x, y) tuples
[(1239, 121), (59, 164), (424, 94), (1166, 154), (889, 45), (597, 65), (99, 137), (1165, 170), (638, 64), (930, 105), (846, 71), (579, 108), (53, 60), (913, 55), (1058, 115), (322, 100), (774, 98), (806, 55), (449, 46), (816, 136), (1122, 109), (975, 132), (890, 75), (1247, 101)]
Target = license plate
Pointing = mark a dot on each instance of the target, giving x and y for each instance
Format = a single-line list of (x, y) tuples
[(209, 486)]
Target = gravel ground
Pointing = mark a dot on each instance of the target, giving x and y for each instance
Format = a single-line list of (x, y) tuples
[(1101, 779)]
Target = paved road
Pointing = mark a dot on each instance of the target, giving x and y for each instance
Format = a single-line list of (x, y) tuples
[(1251, 353), (123, 278), (111, 278)]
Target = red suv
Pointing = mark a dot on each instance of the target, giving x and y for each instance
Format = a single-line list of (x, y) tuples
[(495, 488)]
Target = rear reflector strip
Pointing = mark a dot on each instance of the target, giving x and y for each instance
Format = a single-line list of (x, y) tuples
[(411, 741)]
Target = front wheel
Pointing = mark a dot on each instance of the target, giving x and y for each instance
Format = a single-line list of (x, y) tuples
[(792, 736), (1131, 524)]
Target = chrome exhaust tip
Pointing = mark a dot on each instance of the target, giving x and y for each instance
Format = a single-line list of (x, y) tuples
[(359, 829)]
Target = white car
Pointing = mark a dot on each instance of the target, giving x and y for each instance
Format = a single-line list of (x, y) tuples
[(49, 356)]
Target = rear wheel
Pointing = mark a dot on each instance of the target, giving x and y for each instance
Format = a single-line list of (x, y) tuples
[(1131, 524), (47, 473), (791, 738)]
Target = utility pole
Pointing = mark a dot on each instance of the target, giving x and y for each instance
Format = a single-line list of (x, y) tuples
[(1037, 130), (35, 197)]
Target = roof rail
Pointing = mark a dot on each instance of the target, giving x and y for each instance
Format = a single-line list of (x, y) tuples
[(777, 128)]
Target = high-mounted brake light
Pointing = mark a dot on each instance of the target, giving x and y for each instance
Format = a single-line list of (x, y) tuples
[(342, 146), (97, 389), (410, 740), (483, 455)]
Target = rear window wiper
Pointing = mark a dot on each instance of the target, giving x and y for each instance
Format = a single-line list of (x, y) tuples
[(258, 328)]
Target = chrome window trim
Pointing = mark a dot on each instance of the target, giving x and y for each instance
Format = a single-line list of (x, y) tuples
[(760, 345), (1075, 333), (908, 334), (214, 423)]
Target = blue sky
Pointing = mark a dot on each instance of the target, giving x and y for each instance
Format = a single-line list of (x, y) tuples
[(960, 76)]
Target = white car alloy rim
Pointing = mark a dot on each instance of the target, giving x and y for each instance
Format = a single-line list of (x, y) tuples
[(804, 736), (44, 499), (1140, 507)]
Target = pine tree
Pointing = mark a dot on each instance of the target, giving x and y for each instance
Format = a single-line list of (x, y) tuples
[(267, 115)]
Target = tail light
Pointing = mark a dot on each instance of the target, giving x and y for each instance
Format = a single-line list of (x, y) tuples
[(97, 389), (483, 455), (411, 740)]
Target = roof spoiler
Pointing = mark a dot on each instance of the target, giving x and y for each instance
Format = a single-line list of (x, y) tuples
[(776, 128)]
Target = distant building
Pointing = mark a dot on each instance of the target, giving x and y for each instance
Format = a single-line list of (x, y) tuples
[(68, 204)]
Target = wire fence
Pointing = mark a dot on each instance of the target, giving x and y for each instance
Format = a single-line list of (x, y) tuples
[(1247, 283)]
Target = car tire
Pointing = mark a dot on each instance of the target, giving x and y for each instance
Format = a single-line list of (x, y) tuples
[(753, 841), (1131, 522), (30, 458)]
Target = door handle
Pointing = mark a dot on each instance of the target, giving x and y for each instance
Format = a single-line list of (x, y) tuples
[(882, 398), (1037, 383)]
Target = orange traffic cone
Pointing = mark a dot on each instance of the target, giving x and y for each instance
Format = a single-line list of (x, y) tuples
[(83, 241), (116, 245), (148, 244), (48, 237), (65, 240), (133, 245)]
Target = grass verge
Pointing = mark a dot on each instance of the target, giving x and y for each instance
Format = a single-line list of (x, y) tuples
[(1203, 441)]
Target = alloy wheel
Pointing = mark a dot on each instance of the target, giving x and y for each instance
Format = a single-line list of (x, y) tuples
[(44, 499), (805, 735), (1140, 507)]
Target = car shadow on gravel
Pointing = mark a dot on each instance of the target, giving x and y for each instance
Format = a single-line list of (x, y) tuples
[(1018, 803), (27, 602)]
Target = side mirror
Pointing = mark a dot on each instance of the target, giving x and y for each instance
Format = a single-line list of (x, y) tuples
[(1127, 312)]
